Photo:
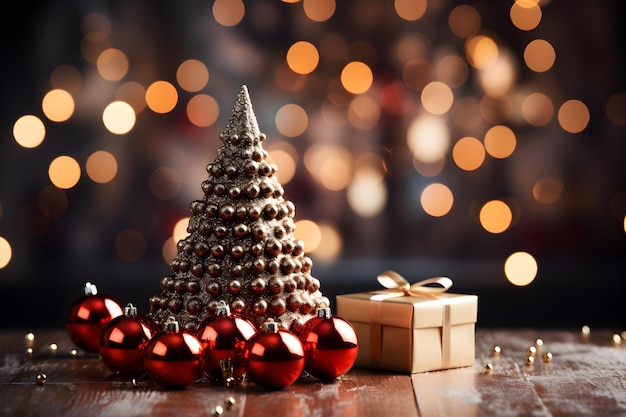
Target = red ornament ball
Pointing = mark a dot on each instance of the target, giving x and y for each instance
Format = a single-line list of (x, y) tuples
[(273, 357), (87, 317), (123, 340), (172, 358), (330, 345), (223, 337)]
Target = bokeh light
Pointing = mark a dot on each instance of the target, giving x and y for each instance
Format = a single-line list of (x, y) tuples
[(203, 110), (495, 216), (525, 15), (428, 138), (500, 141), (192, 75), (132, 93), (303, 57), (161, 97), (364, 112), (309, 232), (520, 268), (6, 252), (64, 172), (357, 77), (330, 165), (367, 194), (284, 156), (437, 199), (180, 229), (481, 51), (464, 21), (29, 131), (112, 64), (547, 190), (101, 167), (615, 106), (573, 116), (319, 10), (468, 153), (499, 76), (58, 105), (539, 55), (452, 70), (330, 246), (291, 120), (119, 117), (437, 98), (410, 10), (537, 109), (228, 12)]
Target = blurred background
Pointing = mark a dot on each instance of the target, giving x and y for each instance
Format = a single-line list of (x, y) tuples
[(480, 140)]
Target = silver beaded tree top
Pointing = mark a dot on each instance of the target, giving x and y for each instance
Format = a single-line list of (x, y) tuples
[(241, 248)]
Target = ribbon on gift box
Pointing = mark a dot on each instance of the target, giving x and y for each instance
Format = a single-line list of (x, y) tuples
[(397, 286)]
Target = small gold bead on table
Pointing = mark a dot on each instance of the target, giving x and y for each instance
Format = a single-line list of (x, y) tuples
[(538, 343), (73, 353), (547, 357), (585, 331), (617, 340), (487, 368), (230, 402), (53, 348), (41, 379), (217, 411), (29, 339), (530, 360), (532, 351), (496, 350), (29, 351)]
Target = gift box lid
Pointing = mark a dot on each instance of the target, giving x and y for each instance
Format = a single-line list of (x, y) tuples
[(407, 311)]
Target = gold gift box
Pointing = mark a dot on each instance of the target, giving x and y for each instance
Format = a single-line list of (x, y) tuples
[(411, 333)]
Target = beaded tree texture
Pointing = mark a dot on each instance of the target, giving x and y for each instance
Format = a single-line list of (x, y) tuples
[(241, 247)]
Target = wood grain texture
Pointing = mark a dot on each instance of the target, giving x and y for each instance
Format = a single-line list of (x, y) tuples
[(586, 377)]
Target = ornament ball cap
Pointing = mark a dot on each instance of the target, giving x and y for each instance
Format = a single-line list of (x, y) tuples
[(90, 289)]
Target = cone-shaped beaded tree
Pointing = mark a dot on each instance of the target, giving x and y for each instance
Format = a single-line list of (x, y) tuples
[(241, 246)]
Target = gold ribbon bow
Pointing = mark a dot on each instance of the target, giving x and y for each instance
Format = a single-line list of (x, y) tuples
[(397, 285), (394, 281)]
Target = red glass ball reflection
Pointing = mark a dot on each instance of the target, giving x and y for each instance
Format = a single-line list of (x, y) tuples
[(330, 346), (87, 317), (173, 359), (123, 340), (274, 360), (224, 337)]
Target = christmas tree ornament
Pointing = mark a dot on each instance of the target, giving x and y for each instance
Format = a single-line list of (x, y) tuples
[(173, 358), (123, 339), (87, 317), (241, 247), (223, 337), (330, 345), (273, 357)]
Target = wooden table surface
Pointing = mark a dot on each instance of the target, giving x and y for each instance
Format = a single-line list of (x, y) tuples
[(586, 377)]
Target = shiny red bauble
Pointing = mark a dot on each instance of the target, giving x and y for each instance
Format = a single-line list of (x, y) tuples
[(123, 339), (172, 358), (223, 337), (273, 357), (330, 345), (87, 317)]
